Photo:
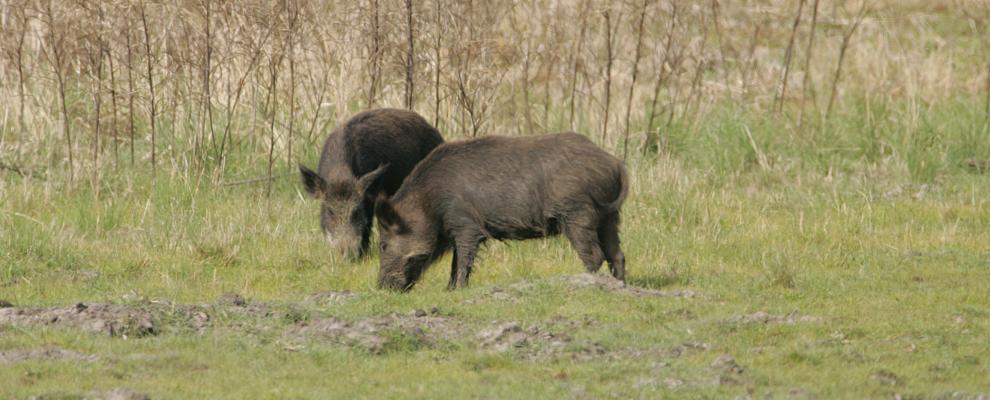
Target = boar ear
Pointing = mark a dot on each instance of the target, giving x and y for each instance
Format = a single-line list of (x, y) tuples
[(314, 184), (368, 180), (387, 216)]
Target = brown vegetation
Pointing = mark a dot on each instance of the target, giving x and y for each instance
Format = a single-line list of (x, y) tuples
[(191, 82)]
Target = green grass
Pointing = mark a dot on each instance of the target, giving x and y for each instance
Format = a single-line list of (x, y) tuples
[(867, 223)]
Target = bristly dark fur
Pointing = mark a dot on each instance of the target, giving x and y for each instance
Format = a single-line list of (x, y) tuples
[(502, 188), (367, 156)]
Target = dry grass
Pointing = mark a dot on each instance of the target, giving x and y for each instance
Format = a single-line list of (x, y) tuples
[(186, 85)]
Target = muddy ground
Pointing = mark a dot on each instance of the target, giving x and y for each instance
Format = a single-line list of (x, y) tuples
[(313, 321), (297, 325)]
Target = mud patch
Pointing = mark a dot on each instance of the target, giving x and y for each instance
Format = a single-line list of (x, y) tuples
[(44, 354), (233, 303), (123, 394), (610, 284), (538, 342), (499, 295), (886, 378), (109, 319), (763, 318), (728, 371), (115, 394), (379, 335), (960, 395), (331, 298)]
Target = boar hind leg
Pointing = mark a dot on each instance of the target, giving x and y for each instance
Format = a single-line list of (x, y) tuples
[(608, 234), (585, 242)]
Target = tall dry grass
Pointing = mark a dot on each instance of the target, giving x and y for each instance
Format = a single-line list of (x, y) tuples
[(185, 86)]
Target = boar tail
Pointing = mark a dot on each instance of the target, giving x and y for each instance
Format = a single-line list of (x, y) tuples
[(623, 180)]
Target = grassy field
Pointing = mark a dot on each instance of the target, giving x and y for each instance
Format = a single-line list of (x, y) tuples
[(809, 215), (824, 274)]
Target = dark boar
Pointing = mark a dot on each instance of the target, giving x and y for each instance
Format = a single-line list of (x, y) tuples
[(369, 154), (502, 188)]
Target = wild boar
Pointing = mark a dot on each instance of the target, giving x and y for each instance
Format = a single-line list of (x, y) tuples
[(368, 155), (502, 188)]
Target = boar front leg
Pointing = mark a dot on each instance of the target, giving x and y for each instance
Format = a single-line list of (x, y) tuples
[(453, 271), (465, 248)]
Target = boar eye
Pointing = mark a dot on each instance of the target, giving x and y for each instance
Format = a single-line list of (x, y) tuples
[(382, 246)]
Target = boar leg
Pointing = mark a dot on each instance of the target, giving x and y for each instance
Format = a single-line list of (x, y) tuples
[(585, 243), (608, 234), (369, 215), (464, 249), (453, 271)]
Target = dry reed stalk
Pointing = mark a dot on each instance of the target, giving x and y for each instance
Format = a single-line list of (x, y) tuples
[(788, 53), (207, 68), (151, 86), (375, 54), (635, 70), (19, 58), (575, 58), (409, 54), (806, 84), (846, 38), (750, 64), (56, 57), (130, 86), (97, 61), (652, 141), (716, 7), (437, 47), (293, 27), (609, 59), (113, 106), (527, 55)]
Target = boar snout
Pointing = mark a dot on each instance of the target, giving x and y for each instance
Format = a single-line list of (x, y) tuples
[(395, 283), (348, 246)]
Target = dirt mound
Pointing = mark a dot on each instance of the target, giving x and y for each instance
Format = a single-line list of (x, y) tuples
[(764, 318), (110, 319), (605, 282), (44, 354)]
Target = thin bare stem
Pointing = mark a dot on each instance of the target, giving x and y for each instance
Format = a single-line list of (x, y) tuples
[(437, 47), (56, 56), (779, 104), (806, 85), (575, 60), (635, 70), (130, 87), (652, 139), (151, 86), (410, 54), (375, 56), (609, 59), (846, 38)]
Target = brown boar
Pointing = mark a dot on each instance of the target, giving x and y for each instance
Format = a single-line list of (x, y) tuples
[(502, 188), (368, 155)]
